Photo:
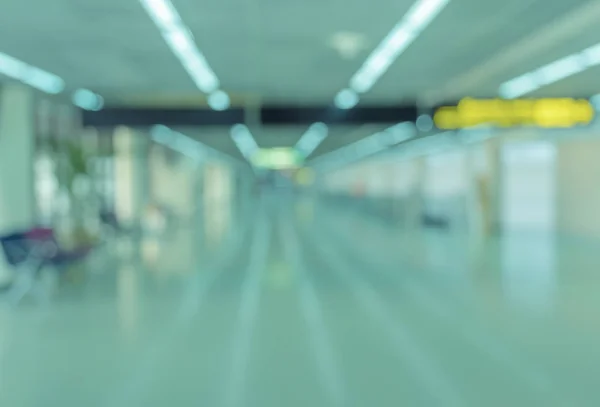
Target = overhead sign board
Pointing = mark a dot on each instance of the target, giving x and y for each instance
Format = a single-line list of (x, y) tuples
[(270, 115), (547, 113)]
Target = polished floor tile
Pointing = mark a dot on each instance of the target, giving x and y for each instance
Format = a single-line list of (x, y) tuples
[(298, 301)]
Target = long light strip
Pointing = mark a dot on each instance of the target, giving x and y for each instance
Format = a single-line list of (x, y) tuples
[(186, 145), (242, 137), (179, 38), (47, 82), (311, 139), (366, 147), (30, 75), (418, 17), (88, 100), (429, 145), (551, 73), (444, 141)]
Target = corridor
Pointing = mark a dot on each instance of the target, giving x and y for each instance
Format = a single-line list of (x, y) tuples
[(296, 301)]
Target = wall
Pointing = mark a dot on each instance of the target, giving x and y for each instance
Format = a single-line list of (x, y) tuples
[(528, 182), (445, 186), (521, 181), (578, 180), (173, 183)]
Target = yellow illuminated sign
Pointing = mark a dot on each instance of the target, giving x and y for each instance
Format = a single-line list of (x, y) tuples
[(546, 113)]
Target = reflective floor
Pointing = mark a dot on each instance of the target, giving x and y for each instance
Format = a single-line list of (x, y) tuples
[(297, 302)]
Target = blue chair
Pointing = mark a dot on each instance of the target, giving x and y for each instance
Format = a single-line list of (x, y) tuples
[(30, 251)]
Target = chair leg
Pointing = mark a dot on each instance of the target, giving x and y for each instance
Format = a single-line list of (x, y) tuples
[(25, 282), (46, 285), (22, 285)]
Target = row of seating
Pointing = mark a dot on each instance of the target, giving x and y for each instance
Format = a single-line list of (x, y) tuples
[(28, 252), (31, 251)]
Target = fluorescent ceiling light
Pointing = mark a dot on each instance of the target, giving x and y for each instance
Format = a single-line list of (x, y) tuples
[(311, 139), (346, 99), (162, 135), (592, 55), (218, 100), (432, 144), (424, 123), (551, 73), (186, 145), (416, 19), (12, 67), (244, 141), (518, 86), (365, 147), (381, 59), (180, 41), (162, 12), (595, 101), (44, 81), (30, 75), (393, 45), (178, 37), (422, 13), (88, 100), (563, 68)]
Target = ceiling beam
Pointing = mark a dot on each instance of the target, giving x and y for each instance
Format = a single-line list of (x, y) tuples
[(269, 116)]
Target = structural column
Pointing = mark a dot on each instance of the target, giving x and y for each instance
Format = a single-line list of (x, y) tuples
[(131, 175), (416, 200), (492, 188), (17, 143)]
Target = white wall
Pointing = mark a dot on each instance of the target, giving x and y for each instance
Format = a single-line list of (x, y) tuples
[(528, 186), (173, 183), (578, 196), (445, 186), (383, 177)]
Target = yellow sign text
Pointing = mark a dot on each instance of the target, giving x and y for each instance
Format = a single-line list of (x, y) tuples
[(548, 113)]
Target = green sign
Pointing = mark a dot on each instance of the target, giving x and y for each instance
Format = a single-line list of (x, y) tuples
[(277, 158)]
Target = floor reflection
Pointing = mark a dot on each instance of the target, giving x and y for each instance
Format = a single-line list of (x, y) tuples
[(128, 302), (304, 301), (529, 272)]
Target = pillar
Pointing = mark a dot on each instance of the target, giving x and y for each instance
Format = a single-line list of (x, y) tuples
[(17, 143), (131, 174), (492, 187), (416, 200), (174, 179)]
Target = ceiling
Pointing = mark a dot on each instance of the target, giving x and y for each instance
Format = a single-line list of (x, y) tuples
[(279, 136), (278, 51)]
